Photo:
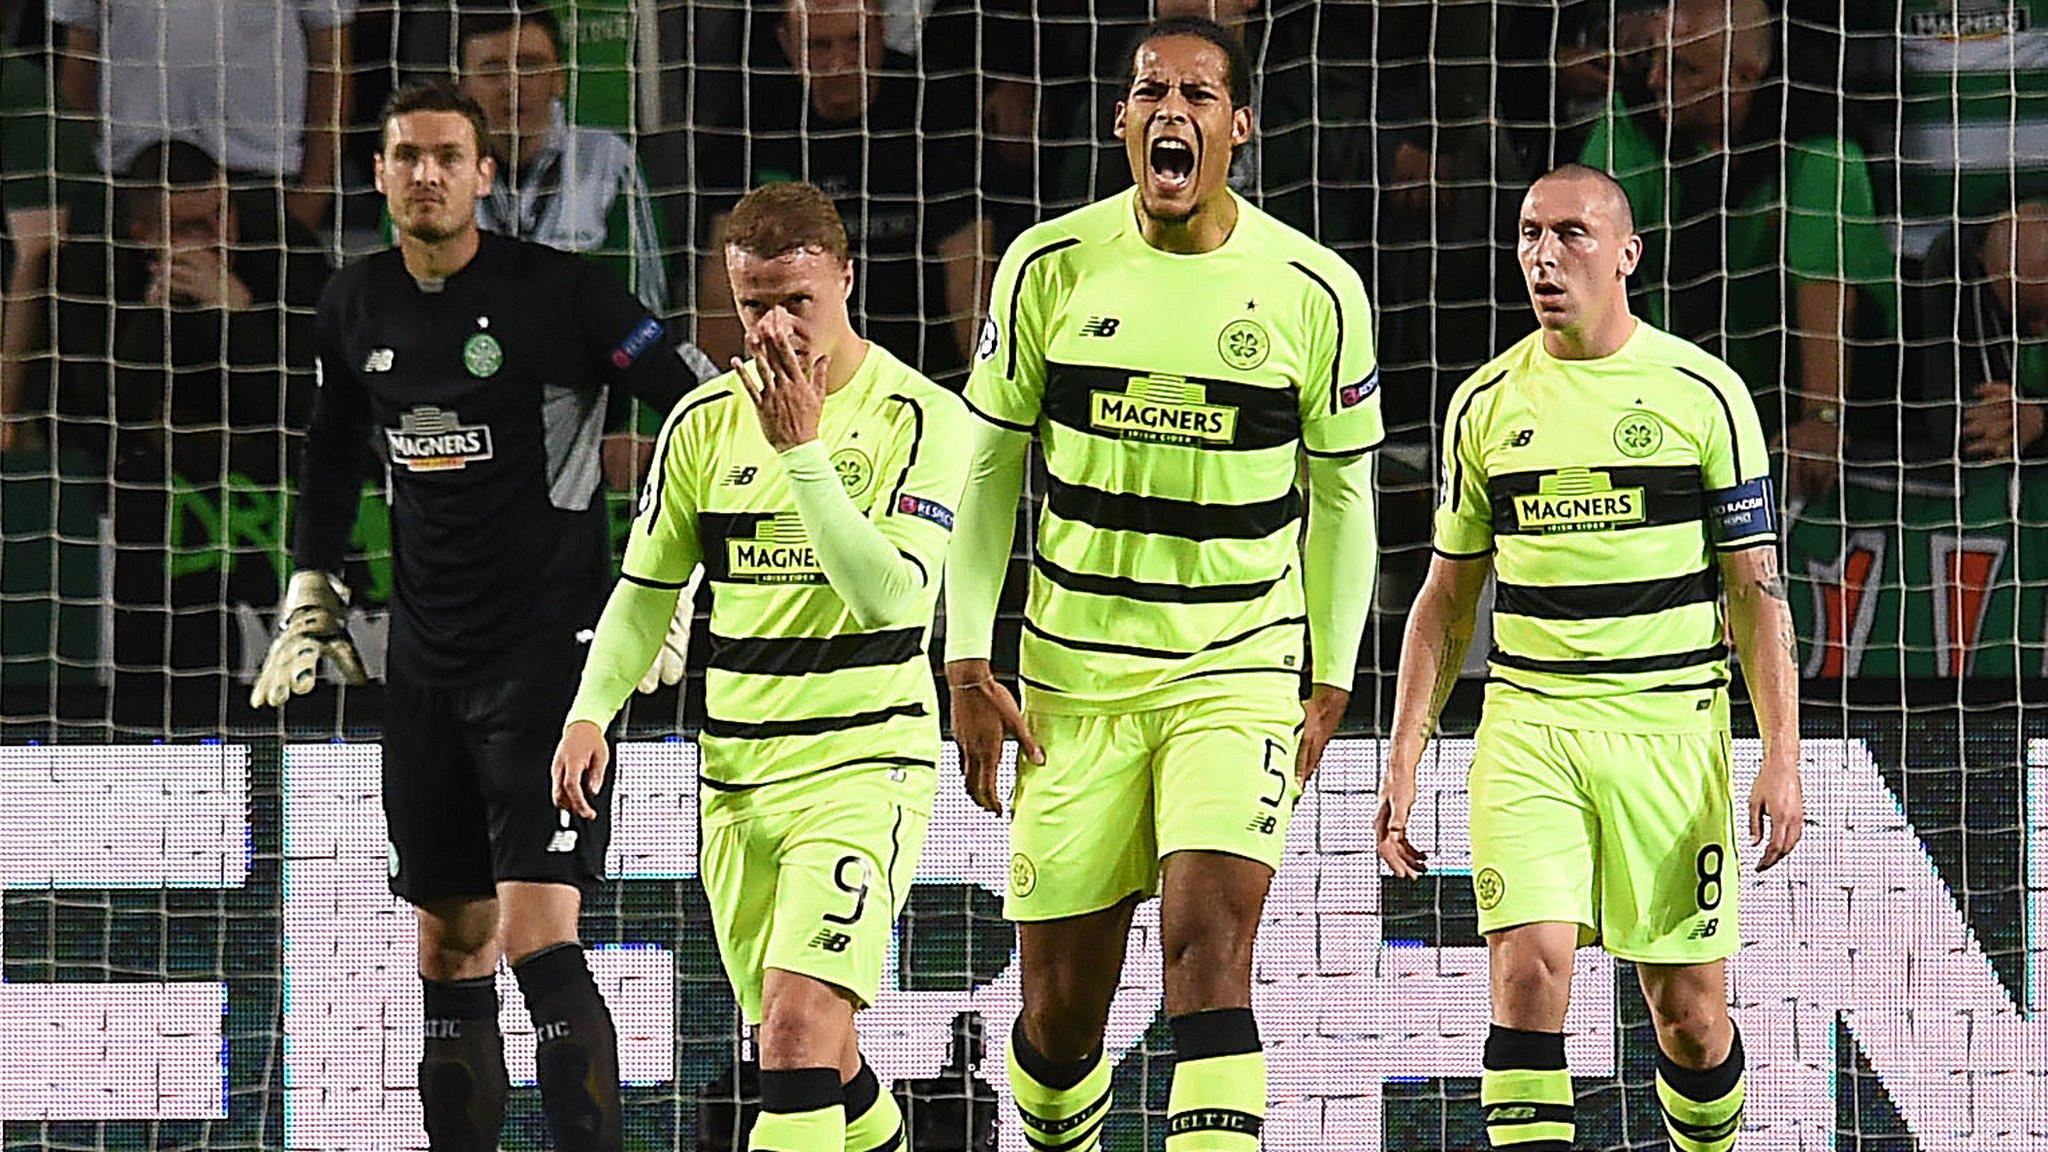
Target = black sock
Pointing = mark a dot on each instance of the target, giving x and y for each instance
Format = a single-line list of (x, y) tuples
[(462, 1065), (576, 1051)]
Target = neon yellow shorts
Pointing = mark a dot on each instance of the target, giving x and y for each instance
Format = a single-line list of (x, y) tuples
[(1118, 793), (813, 888), (1629, 835)]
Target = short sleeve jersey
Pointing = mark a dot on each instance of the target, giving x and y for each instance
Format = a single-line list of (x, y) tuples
[(1603, 489), (1173, 396), (796, 688)]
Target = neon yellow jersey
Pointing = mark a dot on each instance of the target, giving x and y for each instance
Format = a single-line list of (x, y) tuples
[(1173, 395), (795, 687), (1603, 488)]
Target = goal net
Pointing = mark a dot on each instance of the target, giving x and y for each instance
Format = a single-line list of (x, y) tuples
[(197, 947)]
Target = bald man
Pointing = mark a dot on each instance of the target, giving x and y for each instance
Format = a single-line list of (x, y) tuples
[(1766, 250), (1985, 388), (1612, 479)]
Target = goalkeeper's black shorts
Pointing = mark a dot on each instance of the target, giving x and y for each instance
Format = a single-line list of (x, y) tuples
[(467, 791)]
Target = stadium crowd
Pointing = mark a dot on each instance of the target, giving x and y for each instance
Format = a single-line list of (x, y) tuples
[(1852, 210)]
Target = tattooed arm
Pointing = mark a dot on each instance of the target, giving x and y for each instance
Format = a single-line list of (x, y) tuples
[(1432, 652), (1761, 622)]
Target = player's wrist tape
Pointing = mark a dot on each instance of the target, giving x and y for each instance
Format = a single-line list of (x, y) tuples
[(312, 589)]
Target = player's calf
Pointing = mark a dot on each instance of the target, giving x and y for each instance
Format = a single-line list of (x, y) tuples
[(1699, 1055), (1057, 1071), (808, 1055), (1524, 1086), (1526, 1091), (576, 1049), (462, 1078), (1209, 915), (462, 1065)]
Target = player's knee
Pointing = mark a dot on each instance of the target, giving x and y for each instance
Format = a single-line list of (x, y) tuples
[(1529, 980), (456, 946), (1064, 1037), (1691, 1033), (803, 1024), (1212, 945)]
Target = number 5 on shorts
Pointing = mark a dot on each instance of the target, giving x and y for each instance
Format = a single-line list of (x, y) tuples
[(1278, 773)]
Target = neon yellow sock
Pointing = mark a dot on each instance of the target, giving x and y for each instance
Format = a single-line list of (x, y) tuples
[(1058, 1119), (802, 1110), (873, 1121), (1218, 1101), (1527, 1091), (1702, 1110)]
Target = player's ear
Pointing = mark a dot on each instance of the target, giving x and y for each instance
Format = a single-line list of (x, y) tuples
[(1241, 126), (1116, 124), (846, 280), (1631, 255)]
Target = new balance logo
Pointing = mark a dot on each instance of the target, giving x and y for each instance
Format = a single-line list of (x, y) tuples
[(831, 941), (744, 474), (1100, 326), (1521, 438), (1263, 825), (379, 360), (564, 839), (1705, 929)]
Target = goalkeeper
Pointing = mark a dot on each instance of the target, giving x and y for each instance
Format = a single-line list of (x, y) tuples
[(1184, 359), (816, 486), (1613, 479), (480, 364)]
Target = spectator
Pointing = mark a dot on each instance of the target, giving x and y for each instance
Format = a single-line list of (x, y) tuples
[(1973, 113), (570, 187), (1293, 114), (201, 307), (857, 120), (259, 85), (47, 188), (179, 355), (1980, 360), (1761, 242)]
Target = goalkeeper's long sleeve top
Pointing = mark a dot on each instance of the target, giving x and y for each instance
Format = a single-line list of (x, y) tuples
[(485, 394)]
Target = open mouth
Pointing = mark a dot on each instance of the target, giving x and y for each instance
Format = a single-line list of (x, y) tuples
[(1172, 162), (1549, 291)]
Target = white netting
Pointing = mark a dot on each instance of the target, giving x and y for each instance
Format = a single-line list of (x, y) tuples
[(198, 949)]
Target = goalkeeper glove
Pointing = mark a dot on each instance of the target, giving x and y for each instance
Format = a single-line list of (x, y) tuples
[(313, 623), (670, 661)]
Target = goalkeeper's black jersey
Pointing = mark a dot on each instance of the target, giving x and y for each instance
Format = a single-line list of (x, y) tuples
[(484, 397)]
